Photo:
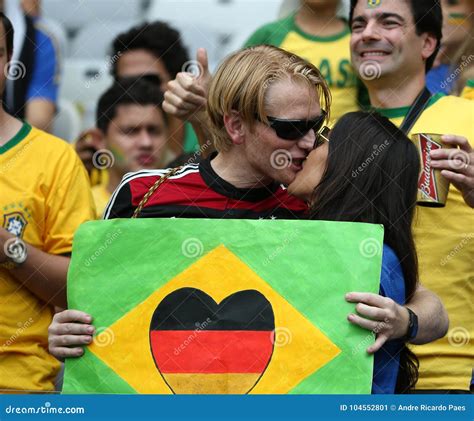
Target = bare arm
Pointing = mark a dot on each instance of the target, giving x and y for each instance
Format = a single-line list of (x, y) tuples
[(389, 320), (42, 273), (40, 113), (433, 321)]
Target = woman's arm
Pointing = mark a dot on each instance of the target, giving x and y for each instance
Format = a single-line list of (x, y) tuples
[(389, 320)]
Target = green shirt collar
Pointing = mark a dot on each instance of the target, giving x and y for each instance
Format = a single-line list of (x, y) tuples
[(15, 140), (403, 111), (294, 27)]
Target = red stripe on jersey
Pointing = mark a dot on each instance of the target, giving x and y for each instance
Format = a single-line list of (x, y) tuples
[(191, 190)]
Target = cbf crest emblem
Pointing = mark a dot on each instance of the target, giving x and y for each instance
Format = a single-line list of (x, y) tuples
[(15, 223)]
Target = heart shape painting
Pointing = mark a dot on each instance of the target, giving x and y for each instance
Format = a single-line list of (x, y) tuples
[(202, 347)]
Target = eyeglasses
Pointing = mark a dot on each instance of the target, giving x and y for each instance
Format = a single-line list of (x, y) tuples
[(322, 137), (295, 129)]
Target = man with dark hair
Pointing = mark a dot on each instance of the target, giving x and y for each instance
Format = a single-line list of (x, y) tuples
[(155, 49), (393, 45), (131, 133), (151, 48), (45, 197)]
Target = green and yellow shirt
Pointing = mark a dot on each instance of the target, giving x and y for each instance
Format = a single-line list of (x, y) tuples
[(331, 55)]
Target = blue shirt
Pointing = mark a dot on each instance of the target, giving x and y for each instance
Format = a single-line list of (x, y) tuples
[(438, 80), (44, 83), (387, 359)]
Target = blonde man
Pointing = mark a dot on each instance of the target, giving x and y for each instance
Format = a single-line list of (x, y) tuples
[(256, 95)]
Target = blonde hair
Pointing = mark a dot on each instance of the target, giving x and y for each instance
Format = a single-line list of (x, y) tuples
[(242, 81)]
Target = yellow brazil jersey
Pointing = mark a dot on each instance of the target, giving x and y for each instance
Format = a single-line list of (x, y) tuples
[(445, 244), (101, 197), (45, 197), (331, 55), (468, 91)]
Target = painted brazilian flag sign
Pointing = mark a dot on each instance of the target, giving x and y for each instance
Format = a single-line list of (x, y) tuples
[(222, 306)]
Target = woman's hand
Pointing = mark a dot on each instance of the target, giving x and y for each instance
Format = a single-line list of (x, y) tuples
[(383, 316)]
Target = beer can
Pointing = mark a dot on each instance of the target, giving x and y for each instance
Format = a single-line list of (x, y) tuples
[(433, 188)]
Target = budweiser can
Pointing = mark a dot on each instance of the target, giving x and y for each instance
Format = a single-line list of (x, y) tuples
[(432, 186)]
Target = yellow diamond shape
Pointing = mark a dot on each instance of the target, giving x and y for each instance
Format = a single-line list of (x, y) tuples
[(300, 347)]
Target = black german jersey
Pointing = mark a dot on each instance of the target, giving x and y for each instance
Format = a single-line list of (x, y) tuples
[(196, 191)]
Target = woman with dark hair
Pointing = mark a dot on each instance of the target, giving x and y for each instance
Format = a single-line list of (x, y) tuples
[(368, 172)]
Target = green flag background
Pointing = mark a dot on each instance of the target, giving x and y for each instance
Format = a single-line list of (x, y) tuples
[(118, 264)]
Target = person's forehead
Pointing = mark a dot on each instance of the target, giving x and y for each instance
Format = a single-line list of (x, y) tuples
[(291, 98), (140, 61), (291, 88), (137, 114), (372, 9)]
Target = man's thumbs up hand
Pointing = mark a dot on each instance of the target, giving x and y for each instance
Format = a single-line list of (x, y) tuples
[(186, 95)]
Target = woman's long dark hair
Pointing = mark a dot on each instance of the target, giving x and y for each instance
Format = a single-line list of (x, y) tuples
[(371, 176)]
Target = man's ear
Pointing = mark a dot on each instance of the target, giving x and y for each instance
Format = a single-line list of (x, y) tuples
[(235, 127), (429, 45)]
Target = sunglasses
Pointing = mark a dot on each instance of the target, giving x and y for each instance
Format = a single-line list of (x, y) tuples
[(322, 137), (295, 129)]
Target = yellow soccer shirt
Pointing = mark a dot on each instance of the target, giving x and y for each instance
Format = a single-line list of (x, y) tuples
[(445, 244), (101, 197), (45, 197), (468, 91), (331, 55)]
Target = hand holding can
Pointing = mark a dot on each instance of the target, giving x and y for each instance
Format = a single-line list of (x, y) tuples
[(433, 188)]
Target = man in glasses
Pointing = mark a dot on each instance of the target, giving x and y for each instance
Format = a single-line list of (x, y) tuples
[(266, 108), (263, 124)]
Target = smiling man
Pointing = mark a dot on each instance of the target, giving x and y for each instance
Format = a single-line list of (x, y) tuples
[(393, 45)]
